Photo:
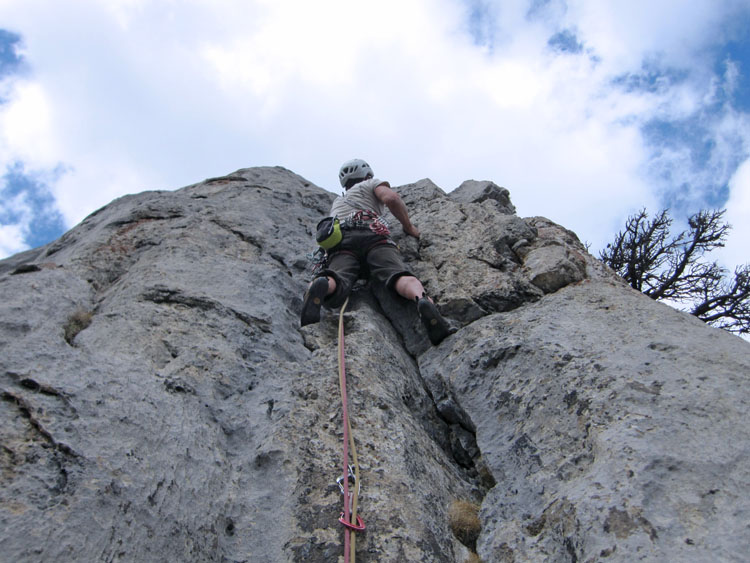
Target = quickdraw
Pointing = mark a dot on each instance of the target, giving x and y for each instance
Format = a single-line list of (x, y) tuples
[(352, 478), (316, 261)]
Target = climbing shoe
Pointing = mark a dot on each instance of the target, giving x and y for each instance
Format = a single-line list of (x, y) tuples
[(437, 327), (313, 301)]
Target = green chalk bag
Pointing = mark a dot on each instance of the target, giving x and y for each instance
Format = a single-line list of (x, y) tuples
[(328, 233)]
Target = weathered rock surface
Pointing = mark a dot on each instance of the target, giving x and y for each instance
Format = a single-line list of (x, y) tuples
[(616, 429), (160, 401)]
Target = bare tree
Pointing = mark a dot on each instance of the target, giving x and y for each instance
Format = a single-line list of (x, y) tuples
[(676, 268)]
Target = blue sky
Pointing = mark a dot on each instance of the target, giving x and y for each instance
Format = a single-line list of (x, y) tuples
[(586, 111)]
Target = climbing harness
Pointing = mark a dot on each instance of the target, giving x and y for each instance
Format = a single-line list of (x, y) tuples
[(329, 235), (366, 220), (350, 475)]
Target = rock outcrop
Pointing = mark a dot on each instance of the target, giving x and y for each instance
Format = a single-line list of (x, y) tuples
[(161, 403)]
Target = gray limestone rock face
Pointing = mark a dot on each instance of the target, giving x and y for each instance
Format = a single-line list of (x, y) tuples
[(161, 402), (615, 428), (556, 257), (473, 191)]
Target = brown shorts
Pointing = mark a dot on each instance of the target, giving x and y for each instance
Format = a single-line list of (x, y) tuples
[(362, 254)]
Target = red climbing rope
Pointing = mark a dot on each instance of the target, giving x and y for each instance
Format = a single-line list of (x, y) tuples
[(349, 517)]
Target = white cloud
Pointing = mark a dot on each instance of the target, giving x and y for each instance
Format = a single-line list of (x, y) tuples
[(624, 33), (13, 233), (139, 94), (25, 125), (11, 240), (738, 215)]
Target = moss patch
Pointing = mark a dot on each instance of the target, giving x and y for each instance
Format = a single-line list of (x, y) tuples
[(464, 522), (77, 322)]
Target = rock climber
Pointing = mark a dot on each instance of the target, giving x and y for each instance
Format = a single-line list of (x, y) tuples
[(366, 249)]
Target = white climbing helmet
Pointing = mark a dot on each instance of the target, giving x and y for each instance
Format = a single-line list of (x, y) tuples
[(354, 170)]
